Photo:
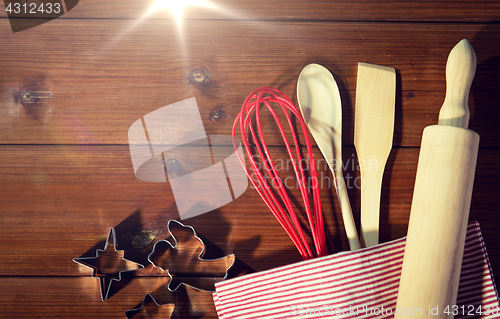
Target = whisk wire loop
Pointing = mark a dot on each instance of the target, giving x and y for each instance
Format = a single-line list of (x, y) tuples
[(265, 192), (252, 106), (275, 179)]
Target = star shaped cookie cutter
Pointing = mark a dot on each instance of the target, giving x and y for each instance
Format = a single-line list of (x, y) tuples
[(108, 265), (182, 259)]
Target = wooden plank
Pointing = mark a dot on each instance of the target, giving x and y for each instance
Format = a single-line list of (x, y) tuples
[(79, 297), (339, 10), (108, 73), (58, 202)]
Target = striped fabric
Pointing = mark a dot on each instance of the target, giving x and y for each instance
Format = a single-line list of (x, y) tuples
[(360, 284)]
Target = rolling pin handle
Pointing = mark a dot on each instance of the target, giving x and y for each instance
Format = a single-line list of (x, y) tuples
[(460, 70)]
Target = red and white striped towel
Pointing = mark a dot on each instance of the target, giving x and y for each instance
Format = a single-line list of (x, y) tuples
[(360, 284)]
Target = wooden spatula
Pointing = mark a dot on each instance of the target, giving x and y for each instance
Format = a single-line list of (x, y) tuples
[(373, 132)]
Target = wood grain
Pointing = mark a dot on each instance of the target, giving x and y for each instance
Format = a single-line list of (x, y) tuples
[(335, 10), (92, 87), (69, 297), (60, 201)]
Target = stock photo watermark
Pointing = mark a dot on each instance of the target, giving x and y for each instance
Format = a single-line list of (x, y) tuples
[(203, 171), (325, 178), (360, 310)]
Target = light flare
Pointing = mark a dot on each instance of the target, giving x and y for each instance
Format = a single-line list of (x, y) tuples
[(177, 7)]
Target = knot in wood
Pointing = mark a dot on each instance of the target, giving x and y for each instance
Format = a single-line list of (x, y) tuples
[(143, 238), (27, 96), (200, 76), (216, 115)]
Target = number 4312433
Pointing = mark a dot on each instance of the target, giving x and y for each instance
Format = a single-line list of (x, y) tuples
[(471, 310), (33, 8)]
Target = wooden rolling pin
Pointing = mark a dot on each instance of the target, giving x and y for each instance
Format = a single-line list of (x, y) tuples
[(441, 200)]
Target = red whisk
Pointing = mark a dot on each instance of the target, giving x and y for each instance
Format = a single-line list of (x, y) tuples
[(286, 216)]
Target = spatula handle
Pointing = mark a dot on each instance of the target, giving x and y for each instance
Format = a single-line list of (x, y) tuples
[(370, 205), (460, 70)]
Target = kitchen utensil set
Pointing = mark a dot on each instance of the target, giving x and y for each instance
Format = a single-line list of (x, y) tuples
[(443, 188), (320, 104)]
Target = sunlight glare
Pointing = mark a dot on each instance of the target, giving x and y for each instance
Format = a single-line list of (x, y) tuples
[(177, 7)]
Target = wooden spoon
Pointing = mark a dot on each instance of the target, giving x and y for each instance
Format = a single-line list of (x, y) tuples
[(373, 132), (319, 101)]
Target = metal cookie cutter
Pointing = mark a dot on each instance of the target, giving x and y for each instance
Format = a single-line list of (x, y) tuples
[(184, 261), (108, 264), (150, 309)]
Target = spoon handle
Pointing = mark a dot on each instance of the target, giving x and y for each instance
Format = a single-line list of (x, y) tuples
[(345, 208)]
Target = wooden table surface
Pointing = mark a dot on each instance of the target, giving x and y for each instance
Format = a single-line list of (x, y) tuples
[(71, 88)]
